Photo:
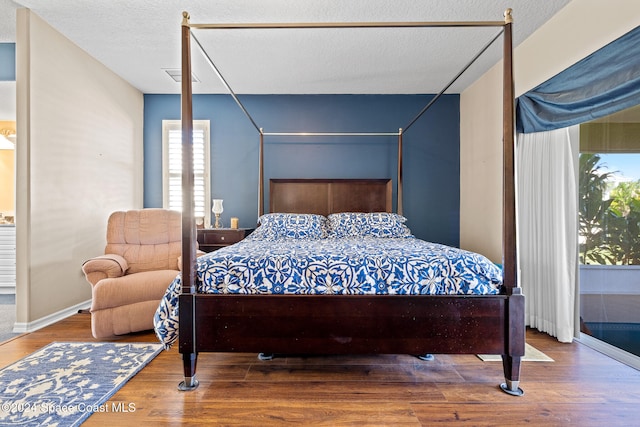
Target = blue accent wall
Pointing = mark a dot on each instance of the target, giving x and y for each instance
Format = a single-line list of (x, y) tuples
[(431, 157), (7, 62)]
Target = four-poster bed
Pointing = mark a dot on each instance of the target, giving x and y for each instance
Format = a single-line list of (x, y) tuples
[(490, 321)]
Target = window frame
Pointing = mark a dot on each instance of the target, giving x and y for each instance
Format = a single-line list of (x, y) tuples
[(168, 127)]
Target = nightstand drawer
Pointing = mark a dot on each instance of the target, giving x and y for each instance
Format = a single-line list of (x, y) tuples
[(210, 239), (223, 236)]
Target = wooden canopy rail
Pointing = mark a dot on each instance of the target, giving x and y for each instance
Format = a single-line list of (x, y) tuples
[(509, 308), (400, 131)]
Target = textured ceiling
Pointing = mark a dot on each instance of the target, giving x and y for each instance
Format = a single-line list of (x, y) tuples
[(139, 39)]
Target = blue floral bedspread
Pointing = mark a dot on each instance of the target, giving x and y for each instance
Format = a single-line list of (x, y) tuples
[(353, 266)]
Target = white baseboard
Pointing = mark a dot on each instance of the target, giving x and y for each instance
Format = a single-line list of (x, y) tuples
[(20, 327)]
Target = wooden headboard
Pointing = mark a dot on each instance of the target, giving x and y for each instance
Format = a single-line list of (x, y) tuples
[(326, 196)]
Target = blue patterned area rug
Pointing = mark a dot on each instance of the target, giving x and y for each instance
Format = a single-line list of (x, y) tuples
[(65, 382)]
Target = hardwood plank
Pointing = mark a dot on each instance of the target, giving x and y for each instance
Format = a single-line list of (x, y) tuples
[(582, 387), (538, 414), (345, 373), (539, 391), (311, 391), (343, 413)]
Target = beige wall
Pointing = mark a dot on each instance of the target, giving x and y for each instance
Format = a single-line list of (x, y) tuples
[(582, 27), (79, 157)]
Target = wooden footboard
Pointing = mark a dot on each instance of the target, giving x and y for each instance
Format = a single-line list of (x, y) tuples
[(346, 324), (343, 324)]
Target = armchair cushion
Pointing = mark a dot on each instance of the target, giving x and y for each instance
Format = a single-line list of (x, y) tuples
[(149, 239), (131, 288)]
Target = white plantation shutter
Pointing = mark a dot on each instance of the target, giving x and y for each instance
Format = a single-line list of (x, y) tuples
[(172, 166)]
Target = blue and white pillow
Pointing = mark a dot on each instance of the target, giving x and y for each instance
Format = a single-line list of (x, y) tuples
[(383, 224), (275, 226), (348, 224), (360, 224)]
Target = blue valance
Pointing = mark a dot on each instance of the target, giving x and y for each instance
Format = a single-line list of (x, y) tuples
[(605, 82)]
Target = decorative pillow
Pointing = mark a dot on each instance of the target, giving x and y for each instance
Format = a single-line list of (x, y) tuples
[(385, 224), (348, 224), (376, 224), (276, 226)]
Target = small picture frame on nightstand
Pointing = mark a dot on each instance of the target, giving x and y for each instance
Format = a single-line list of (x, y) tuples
[(199, 222)]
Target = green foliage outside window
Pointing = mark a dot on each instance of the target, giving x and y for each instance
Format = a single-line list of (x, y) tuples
[(609, 228)]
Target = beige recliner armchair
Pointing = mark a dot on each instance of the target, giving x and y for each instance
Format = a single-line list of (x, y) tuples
[(129, 280)]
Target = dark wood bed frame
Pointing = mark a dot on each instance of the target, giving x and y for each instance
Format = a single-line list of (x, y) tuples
[(327, 196), (304, 324)]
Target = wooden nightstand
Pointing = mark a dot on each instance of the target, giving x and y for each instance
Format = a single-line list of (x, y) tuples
[(212, 239)]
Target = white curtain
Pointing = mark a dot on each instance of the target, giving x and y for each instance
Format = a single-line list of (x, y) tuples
[(547, 218)]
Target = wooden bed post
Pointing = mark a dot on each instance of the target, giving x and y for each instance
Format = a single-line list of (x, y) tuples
[(509, 202), (515, 332), (399, 207), (187, 323), (261, 175)]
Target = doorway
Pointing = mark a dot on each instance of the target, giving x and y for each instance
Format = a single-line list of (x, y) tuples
[(7, 209)]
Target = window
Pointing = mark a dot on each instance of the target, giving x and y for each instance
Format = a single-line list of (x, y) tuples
[(609, 217), (172, 166)]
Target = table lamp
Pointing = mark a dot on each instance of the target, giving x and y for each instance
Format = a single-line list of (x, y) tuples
[(217, 210)]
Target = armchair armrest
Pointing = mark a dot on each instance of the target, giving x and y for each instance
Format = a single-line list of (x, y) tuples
[(199, 253), (103, 266)]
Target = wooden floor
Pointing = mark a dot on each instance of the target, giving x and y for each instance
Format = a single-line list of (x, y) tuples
[(582, 388)]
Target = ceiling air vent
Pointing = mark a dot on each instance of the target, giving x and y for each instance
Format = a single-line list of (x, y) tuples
[(176, 75)]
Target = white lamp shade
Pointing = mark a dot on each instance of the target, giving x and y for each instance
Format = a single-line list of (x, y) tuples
[(217, 206)]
